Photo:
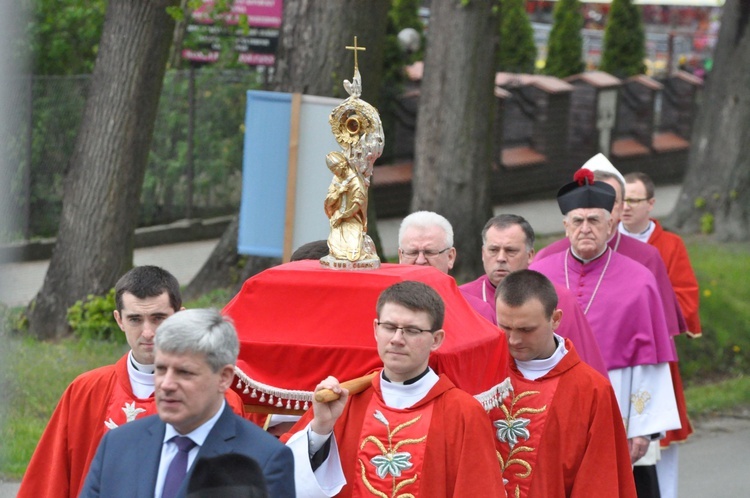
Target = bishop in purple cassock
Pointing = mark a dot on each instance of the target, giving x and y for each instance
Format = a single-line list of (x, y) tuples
[(622, 302)]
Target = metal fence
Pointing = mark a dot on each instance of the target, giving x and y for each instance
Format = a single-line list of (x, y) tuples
[(195, 162)]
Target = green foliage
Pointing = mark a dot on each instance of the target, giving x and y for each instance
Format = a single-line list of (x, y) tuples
[(624, 41), (699, 203), (32, 378), (719, 398), (724, 348), (58, 104), (217, 298), (517, 51), (92, 318), (565, 45), (707, 223), (64, 35), (13, 320)]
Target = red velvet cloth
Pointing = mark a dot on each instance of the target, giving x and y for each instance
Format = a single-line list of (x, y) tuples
[(298, 323)]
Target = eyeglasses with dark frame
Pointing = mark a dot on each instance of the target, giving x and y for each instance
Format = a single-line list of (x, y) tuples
[(407, 330), (635, 202), (428, 253)]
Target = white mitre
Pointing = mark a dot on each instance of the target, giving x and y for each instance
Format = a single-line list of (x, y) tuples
[(600, 163)]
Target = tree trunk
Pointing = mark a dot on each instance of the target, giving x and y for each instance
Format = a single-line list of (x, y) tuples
[(453, 150), (312, 56), (716, 190), (312, 59), (105, 174)]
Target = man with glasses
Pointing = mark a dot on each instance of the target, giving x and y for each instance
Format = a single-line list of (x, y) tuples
[(411, 431), (639, 201), (426, 238), (636, 223)]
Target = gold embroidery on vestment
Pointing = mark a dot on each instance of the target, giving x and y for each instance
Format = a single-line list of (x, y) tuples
[(512, 427), (639, 400)]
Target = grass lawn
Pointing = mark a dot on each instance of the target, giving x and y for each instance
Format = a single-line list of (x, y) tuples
[(34, 374)]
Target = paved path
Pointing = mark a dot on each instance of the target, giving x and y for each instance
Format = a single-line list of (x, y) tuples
[(21, 281)]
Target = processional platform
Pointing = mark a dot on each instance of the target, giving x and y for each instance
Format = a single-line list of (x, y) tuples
[(299, 323)]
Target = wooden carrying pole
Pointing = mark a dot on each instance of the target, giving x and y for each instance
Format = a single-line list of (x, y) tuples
[(354, 386), (324, 396)]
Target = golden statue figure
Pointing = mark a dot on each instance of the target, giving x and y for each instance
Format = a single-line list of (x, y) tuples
[(358, 130)]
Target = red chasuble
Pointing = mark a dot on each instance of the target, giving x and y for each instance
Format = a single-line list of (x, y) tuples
[(681, 275), (562, 435), (685, 285), (93, 403), (441, 446)]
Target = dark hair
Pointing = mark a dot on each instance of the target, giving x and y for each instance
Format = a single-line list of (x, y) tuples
[(228, 475), (148, 281), (520, 286), (312, 250), (415, 296), (646, 180), (503, 221)]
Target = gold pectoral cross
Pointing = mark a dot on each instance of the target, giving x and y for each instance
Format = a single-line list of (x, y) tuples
[(355, 48)]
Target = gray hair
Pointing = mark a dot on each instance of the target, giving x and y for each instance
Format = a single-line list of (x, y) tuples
[(203, 331), (606, 175), (426, 219)]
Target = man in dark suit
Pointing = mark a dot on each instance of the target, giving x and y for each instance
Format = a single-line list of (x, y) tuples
[(153, 457)]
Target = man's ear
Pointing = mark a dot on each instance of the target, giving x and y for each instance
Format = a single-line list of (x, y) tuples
[(226, 375), (556, 318), (118, 319), (437, 339), (451, 257)]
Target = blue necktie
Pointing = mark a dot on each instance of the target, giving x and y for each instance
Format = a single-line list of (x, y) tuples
[(178, 466)]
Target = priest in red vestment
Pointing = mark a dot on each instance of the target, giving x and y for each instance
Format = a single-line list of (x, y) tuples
[(559, 431), (508, 245), (411, 432), (109, 396), (639, 201)]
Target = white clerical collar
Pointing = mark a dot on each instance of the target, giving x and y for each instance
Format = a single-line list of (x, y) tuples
[(585, 261), (149, 369), (400, 395), (199, 434), (142, 382), (533, 369), (642, 236)]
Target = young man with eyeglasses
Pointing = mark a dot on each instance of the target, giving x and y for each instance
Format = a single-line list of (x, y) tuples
[(411, 431), (426, 238), (636, 223)]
